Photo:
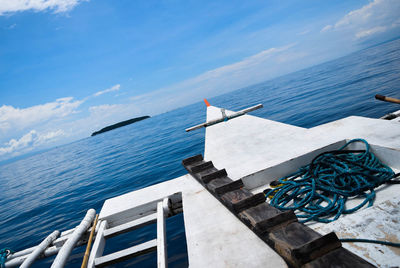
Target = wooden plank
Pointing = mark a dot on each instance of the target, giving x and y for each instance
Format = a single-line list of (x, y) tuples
[(192, 160), (316, 247), (264, 217), (130, 226), (214, 175), (218, 182), (294, 235), (340, 257), (126, 254), (242, 199), (206, 172), (201, 167), (161, 237), (224, 185), (289, 237)]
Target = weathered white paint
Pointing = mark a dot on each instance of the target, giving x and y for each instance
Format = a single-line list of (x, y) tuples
[(134, 205), (248, 144), (98, 245), (126, 253), (259, 151), (216, 238), (210, 227), (130, 226), (39, 249), (162, 212), (65, 251), (19, 257), (380, 222), (396, 114), (257, 181), (266, 176)]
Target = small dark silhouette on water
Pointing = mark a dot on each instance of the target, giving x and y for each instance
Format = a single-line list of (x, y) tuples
[(120, 124)]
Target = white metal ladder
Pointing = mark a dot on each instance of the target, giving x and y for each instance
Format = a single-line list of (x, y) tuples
[(97, 260)]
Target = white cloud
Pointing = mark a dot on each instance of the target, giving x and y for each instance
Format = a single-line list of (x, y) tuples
[(234, 74), (111, 89), (376, 17), (260, 67), (104, 109), (16, 118), (44, 138), (365, 33), (64, 114), (304, 32), (28, 142), (326, 28), (11, 6), (102, 115)]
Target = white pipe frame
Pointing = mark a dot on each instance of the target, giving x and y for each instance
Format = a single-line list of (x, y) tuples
[(40, 249), (65, 251)]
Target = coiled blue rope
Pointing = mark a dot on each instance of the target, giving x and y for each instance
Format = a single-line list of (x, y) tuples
[(319, 191), (3, 256)]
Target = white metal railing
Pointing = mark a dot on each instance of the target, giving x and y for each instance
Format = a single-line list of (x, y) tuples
[(40, 249), (67, 248), (62, 244), (96, 258), (225, 117), (52, 248)]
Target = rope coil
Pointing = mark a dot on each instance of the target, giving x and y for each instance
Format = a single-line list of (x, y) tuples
[(4, 253), (319, 191)]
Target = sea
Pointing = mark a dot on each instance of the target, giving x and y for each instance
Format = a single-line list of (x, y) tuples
[(53, 190)]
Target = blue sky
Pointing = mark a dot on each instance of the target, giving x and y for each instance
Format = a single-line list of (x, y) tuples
[(70, 67)]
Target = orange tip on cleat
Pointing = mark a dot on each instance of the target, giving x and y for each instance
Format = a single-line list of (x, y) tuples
[(207, 103)]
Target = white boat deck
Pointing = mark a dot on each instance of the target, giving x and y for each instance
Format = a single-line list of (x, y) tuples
[(211, 230), (252, 148)]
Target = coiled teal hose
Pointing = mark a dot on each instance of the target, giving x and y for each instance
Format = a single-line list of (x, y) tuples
[(3, 256), (319, 191)]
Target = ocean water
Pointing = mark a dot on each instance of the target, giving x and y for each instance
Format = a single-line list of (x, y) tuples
[(53, 190)]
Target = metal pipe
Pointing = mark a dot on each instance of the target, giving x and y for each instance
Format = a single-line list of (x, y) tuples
[(234, 115), (40, 249), (53, 250), (57, 244), (162, 213), (65, 251)]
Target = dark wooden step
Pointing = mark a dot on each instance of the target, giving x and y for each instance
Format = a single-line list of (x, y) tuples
[(201, 167), (298, 244), (192, 160), (214, 175), (316, 248), (239, 200), (224, 185), (339, 257), (264, 217)]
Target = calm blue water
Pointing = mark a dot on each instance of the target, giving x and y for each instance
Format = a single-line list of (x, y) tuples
[(53, 190)]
